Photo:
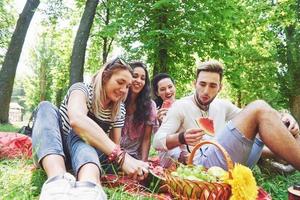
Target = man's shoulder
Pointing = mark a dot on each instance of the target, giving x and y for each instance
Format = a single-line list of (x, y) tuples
[(184, 100), (222, 102)]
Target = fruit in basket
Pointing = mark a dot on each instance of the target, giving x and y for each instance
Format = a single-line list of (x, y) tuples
[(196, 173), (207, 125), (217, 172)]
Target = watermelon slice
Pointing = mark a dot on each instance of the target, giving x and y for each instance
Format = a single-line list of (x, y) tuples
[(167, 103), (207, 125)]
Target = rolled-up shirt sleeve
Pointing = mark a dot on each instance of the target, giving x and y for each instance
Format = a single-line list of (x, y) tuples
[(170, 125)]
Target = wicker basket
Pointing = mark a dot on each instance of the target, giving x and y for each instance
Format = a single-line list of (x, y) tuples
[(200, 190)]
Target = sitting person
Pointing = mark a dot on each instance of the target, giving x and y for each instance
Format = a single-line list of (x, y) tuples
[(236, 129), (163, 89), (140, 115), (83, 134)]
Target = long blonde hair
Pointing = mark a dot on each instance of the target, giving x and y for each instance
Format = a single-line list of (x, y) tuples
[(98, 81)]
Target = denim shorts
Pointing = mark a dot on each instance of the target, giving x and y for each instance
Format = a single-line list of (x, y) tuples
[(48, 138), (240, 149)]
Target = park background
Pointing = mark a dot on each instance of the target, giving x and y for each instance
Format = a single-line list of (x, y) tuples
[(45, 46)]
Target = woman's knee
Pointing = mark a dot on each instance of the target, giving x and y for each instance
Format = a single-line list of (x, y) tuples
[(45, 106)]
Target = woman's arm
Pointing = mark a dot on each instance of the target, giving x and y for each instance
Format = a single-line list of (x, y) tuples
[(93, 134), (146, 142), (116, 135), (85, 127)]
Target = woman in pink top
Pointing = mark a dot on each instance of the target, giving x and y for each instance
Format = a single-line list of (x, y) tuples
[(140, 114)]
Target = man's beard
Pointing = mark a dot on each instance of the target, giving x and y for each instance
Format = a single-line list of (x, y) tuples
[(204, 104)]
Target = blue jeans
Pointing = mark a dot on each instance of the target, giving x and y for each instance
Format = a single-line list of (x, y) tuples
[(49, 139), (240, 149)]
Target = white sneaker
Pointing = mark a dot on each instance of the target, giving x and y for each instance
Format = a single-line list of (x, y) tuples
[(85, 190), (58, 187)]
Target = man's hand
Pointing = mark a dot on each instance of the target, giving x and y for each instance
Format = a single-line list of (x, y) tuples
[(136, 169), (290, 123), (161, 113), (193, 136)]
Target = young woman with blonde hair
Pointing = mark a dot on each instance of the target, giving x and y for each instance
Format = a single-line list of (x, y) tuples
[(83, 134)]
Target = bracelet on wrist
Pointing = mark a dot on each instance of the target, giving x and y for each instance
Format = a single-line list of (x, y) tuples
[(114, 154), (121, 158), (181, 138)]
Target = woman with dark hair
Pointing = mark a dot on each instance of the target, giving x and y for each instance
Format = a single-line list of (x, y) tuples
[(164, 92), (83, 134), (140, 114)]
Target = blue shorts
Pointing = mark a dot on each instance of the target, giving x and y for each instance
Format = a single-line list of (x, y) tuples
[(48, 138), (240, 149)]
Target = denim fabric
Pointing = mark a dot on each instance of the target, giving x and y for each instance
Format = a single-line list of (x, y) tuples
[(240, 149), (48, 138), (255, 153)]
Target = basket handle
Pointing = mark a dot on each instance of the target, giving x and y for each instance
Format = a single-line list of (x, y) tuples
[(224, 152)]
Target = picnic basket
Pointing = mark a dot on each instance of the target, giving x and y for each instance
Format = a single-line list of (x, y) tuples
[(201, 190)]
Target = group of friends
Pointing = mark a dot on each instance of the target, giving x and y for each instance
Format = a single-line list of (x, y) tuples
[(107, 125)]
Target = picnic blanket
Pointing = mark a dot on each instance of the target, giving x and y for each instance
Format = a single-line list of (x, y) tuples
[(14, 145), (134, 187)]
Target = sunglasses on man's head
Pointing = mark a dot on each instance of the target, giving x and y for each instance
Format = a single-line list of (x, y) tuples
[(116, 61)]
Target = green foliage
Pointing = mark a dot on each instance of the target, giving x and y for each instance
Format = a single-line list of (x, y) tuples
[(105, 30), (7, 23), (50, 63)]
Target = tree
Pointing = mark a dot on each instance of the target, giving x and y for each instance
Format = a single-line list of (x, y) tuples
[(6, 25), (8, 70), (287, 18), (50, 57), (80, 43), (104, 32)]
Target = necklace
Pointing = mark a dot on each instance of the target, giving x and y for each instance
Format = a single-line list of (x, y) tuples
[(203, 108)]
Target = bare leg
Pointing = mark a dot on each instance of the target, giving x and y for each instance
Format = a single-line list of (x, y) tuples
[(51, 169), (259, 117), (89, 172)]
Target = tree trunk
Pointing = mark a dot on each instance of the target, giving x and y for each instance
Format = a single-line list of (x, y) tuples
[(161, 57), (82, 36), (43, 81), (58, 97), (105, 39), (295, 107), (293, 60), (8, 70)]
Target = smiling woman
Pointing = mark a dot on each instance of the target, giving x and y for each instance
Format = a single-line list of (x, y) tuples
[(84, 135), (140, 114)]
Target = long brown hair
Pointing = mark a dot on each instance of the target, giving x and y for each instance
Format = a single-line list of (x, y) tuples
[(98, 82)]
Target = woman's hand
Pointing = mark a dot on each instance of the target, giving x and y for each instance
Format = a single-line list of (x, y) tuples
[(161, 113), (135, 168)]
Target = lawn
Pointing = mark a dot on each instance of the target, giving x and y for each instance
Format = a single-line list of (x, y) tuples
[(20, 181)]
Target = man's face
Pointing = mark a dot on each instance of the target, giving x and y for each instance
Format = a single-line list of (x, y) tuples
[(207, 86)]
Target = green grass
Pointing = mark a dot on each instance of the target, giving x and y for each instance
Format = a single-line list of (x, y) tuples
[(18, 180), (275, 183), (9, 128)]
